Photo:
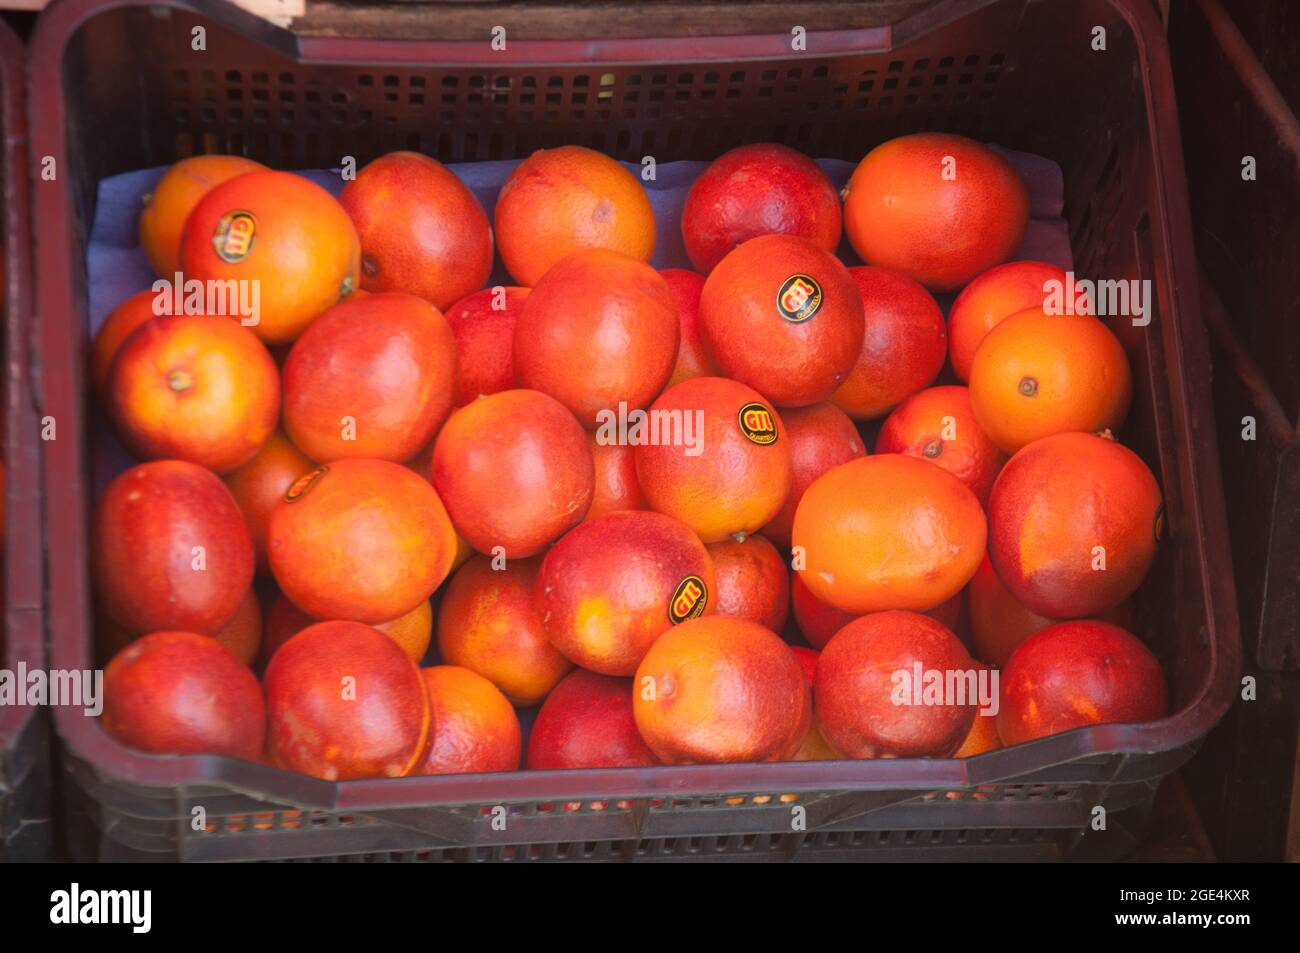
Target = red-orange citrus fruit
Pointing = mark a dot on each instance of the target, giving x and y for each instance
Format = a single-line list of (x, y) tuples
[(784, 317), (1074, 520), (759, 189), (361, 540), (598, 332), (888, 532), (1001, 291), (173, 198), (938, 425), (282, 231), (1038, 374), (938, 207), (903, 346), (730, 474), (558, 201), (720, 689), (422, 231), (515, 470)]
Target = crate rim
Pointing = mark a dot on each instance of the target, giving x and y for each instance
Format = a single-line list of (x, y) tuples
[(69, 617), (22, 577)]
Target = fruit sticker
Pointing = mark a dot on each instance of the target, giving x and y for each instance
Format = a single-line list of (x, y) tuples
[(689, 600), (757, 423), (799, 298), (298, 489), (233, 239)]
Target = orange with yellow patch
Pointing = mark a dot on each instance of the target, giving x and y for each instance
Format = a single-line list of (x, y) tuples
[(364, 540), (720, 689), (488, 623), (168, 206), (888, 532), (194, 388), (474, 726), (282, 231), (608, 589)]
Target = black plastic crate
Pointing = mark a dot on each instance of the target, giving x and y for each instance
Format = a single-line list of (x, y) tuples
[(121, 91), (24, 729)]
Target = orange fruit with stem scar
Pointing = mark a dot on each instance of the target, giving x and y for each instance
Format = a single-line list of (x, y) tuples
[(558, 201), (280, 235), (1038, 374), (194, 388), (720, 689)]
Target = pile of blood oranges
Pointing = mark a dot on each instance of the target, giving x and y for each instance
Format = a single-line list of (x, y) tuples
[(373, 520)]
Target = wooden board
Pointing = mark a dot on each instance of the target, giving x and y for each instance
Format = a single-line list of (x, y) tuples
[(281, 11), (552, 19)]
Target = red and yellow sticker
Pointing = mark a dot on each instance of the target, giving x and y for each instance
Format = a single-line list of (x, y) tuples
[(799, 298), (689, 599), (758, 423), (233, 239)]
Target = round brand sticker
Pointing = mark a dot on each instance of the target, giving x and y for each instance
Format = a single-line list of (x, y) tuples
[(758, 423), (304, 483), (233, 239), (799, 298), (689, 599)]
